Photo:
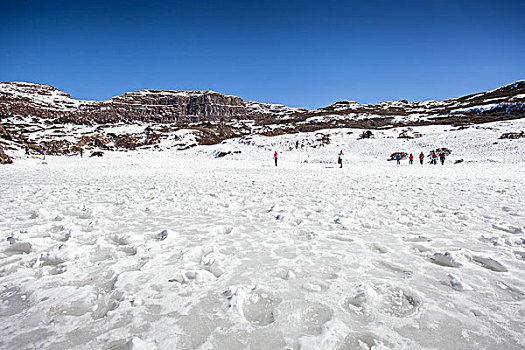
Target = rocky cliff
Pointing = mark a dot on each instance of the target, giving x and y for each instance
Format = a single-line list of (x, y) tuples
[(158, 106)]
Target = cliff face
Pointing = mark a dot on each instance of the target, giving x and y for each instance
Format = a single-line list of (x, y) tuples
[(174, 106), (43, 101)]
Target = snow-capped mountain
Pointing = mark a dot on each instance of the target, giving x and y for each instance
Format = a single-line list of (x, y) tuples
[(42, 117), (35, 100)]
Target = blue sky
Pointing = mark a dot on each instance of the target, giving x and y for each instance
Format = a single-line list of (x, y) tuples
[(299, 53)]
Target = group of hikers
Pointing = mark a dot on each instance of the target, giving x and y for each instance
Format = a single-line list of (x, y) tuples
[(434, 155)]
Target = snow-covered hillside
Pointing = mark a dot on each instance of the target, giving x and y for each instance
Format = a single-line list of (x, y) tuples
[(46, 105), (507, 100), (42, 96), (189, 250)]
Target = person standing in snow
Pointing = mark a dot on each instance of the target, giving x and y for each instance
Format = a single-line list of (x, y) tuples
[(275, 157), (340, 159), (434, 158), (398, 159), (411, 159), (442, 158), (81, 152), (421, 157)]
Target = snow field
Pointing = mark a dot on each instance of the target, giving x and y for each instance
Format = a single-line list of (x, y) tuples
[(182, 250)]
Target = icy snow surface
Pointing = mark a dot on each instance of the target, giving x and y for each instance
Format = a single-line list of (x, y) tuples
[(180, 250)]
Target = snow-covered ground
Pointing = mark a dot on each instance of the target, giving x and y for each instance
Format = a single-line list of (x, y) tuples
[(182, 250)]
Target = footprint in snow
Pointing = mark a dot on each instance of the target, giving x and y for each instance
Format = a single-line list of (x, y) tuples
[(365, 341), (519, 255), (16, 247), (314, 318), (392, 267), (444, 260), (388, 299), (341, 238), (508, 228), (255, 305), (420, 248), (489, 264), (491, 240), (455, 283), (315, 287), (417, 239), (377, 248)]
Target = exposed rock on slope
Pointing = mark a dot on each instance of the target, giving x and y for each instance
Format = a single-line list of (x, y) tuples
[(4, 158), (507, 102), (158, 106), (43, 117), (161, 106)]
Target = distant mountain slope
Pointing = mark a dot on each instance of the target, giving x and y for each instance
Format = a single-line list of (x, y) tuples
[(160, 106), (43, 117), (507, 102)]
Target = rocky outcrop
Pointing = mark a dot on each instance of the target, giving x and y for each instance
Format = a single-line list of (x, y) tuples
[(27, 100), (513, 135), (507, 102), (4, 158), (176, 106)]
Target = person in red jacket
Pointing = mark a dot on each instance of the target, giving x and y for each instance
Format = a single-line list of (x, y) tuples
[(421, 157), (340, 159), (411, 159)]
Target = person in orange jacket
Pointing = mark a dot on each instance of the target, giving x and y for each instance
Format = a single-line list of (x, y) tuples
[(411, 159)]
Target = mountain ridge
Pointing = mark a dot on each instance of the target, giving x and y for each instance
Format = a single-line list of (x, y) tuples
[(211, 92), (46, 118)]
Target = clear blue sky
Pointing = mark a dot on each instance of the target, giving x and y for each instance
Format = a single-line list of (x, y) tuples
[(299, 53)]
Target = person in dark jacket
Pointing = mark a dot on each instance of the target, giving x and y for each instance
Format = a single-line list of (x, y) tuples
[(340, 159), (421, 157), (442, 158)]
